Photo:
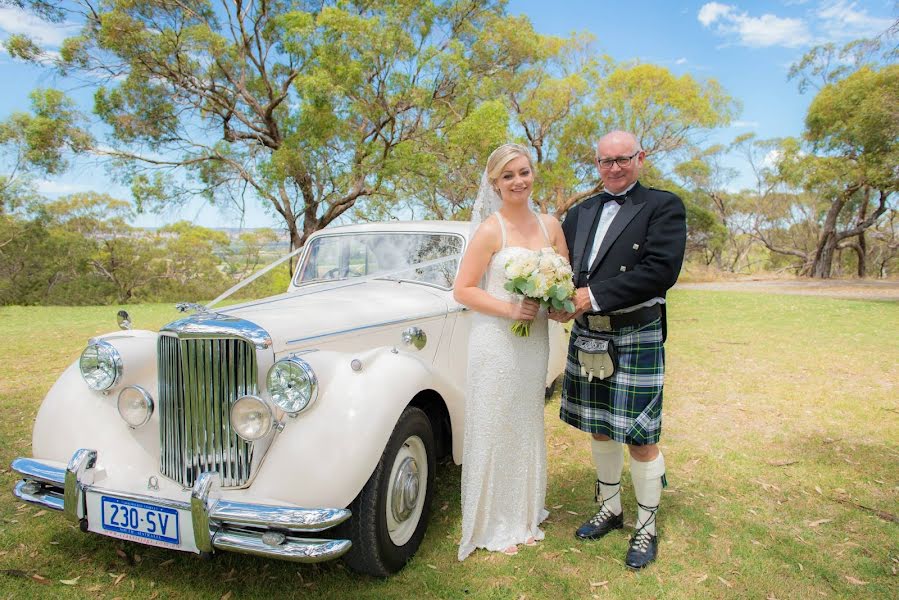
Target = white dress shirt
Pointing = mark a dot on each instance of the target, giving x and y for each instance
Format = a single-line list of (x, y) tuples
[(609, 210)]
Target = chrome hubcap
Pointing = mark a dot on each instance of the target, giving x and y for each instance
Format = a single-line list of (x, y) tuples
[(405, 489)]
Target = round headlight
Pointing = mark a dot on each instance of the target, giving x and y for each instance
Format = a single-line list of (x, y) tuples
[(251, 418), (135, 406), (101, 365), (292, 384)]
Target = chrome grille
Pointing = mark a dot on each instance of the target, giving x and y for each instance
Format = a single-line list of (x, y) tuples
[(199, 380)]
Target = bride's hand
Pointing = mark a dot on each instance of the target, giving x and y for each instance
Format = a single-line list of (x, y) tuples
[(525, 310)]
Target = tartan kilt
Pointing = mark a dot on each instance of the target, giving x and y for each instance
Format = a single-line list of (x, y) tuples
[(627, 407)]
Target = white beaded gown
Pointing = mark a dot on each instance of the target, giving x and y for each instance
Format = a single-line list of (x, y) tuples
[(504, 456)]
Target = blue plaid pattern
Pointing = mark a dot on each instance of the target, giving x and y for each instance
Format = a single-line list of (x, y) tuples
[(627, 407)]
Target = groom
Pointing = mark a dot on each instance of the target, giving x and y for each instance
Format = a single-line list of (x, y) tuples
[(627, 246)]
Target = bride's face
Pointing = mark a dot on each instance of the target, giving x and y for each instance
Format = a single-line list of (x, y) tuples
[(516, 180)]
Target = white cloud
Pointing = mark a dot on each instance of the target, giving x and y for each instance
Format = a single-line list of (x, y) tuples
[(841, 19), (681, 61), (16, 20), (60, 188), (712, 11), (745, 124), (766, 30)]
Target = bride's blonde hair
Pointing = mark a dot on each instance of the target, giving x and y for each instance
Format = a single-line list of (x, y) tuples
[(500, 157)]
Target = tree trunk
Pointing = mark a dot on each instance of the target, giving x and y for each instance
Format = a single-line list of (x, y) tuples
[(821, 267), (861, 249)]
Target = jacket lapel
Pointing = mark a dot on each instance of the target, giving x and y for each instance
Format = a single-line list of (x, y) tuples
[(626, 213), (586, 222)]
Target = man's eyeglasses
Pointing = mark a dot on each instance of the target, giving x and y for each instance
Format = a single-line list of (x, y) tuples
[(622, 161)]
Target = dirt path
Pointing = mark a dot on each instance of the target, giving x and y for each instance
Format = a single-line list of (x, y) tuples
[(855, 289)]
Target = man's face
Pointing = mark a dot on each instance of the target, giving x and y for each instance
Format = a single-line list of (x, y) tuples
[(615, 177)]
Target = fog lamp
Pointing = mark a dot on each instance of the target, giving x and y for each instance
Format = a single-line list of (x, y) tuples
[(251, 418), (135, 406)]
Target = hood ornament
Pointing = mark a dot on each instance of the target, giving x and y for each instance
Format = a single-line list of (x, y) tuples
[(186, 306)]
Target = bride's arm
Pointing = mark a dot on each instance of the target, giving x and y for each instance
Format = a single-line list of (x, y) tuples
[(481, 248), (557, 237)]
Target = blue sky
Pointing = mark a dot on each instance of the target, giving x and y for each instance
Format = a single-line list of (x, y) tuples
[(746, 46)]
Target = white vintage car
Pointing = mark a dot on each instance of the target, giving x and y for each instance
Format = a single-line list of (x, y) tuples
[(304, 426)]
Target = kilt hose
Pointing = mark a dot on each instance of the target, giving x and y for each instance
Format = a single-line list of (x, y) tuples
[(627, 406)]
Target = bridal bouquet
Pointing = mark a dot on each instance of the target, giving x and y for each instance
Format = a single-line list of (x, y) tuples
[(541, 275)]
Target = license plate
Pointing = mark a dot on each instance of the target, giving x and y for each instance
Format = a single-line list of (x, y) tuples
[(139, 519)]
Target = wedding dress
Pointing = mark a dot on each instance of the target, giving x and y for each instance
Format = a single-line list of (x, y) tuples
[(504, 457)]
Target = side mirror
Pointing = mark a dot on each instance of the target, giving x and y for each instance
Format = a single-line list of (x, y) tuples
[(124, 319)]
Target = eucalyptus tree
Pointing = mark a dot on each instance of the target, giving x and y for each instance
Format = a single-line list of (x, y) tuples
[(848, 156), (301, 105), (562, 95), (38, 142)]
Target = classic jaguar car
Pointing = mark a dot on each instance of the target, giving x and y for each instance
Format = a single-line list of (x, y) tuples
[(304, 426)]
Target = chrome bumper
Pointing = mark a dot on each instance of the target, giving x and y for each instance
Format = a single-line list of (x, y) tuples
[(260, 529)]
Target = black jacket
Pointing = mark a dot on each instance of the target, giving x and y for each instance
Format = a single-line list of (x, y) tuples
[(641, 254)]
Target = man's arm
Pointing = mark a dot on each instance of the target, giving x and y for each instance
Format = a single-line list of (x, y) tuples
[(657, 271)]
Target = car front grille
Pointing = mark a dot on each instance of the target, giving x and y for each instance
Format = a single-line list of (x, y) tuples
[(199, 380)]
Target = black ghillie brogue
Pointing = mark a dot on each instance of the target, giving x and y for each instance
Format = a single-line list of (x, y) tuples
[(602, 522), (644, 546)]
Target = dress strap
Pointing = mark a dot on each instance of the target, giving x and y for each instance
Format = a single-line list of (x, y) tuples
[(502, 228), (543, 228)]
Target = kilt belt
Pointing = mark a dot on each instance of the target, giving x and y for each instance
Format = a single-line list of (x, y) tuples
[(600, 322), (627, 406)]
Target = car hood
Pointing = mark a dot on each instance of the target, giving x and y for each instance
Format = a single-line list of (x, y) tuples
[(322, 311)]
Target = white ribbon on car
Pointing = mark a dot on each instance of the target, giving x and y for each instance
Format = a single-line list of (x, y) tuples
[(324, 287)]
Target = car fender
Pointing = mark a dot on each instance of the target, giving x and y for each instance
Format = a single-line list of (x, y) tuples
[(324, 456), (73, 416)]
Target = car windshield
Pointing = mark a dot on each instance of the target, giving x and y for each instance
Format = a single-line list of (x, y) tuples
[(341, 256)]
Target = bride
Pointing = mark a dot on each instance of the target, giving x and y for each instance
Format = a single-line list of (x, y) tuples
[(504, 457)]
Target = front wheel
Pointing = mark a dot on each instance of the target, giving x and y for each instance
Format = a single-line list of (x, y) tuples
[(390, 514)]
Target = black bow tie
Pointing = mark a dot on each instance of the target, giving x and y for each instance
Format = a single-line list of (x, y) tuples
[(606, 197)]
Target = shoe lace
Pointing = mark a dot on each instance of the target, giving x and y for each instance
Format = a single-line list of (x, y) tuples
[(642, 538), (604, 513)]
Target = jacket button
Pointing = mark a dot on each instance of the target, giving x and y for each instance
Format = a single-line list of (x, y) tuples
[(623, 268), (636, 246)]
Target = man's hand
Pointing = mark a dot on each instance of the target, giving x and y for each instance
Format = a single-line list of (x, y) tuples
[(559, 315), (582, 302)]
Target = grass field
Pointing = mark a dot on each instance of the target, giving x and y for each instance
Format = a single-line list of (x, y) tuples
[(781, 438)]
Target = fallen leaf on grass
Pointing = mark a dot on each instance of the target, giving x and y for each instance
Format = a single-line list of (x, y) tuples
[(95, 588), (782, 463), (594, 584), (39, 513), (725, 582), (70, 581), (818, 489), (432, 567), (226, 596), (819, 522), (40, 579), (855, 581), (119, 579), (154, 595), (702, 578), (166, 563), (571, 512)]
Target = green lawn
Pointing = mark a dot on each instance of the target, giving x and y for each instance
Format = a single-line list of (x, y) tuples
[(781, 438)]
